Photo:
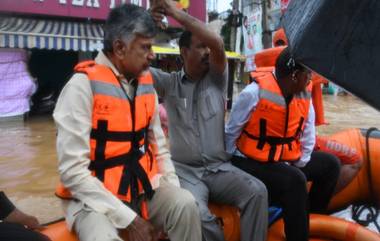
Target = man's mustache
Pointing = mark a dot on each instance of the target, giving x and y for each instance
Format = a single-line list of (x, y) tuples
[(205, 59)]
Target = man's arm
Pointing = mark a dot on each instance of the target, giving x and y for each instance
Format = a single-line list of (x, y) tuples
[(158, 142), (9, 213), (73, 117), (211, 39), (161, 81), (6, 206), (240, 114), (307, 138)]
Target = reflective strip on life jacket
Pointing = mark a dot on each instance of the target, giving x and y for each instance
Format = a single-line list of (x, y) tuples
[(275, 98), (102, 88)]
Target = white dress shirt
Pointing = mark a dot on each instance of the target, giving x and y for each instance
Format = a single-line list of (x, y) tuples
[(73, 118), (242, 109)]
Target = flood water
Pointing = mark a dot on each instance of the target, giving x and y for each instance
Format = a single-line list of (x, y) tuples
[(28, 161)]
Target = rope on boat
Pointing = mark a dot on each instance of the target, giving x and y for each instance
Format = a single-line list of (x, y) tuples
[(371, 217), (372, 211)]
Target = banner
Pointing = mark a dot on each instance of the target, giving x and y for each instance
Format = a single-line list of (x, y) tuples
[(252, 29), (89, 9)]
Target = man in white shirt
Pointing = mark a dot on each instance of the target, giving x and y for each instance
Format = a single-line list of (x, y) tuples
[(116, 92), (271, 134)]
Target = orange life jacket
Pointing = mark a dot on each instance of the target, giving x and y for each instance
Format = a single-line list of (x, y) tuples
[(268, 57), (273, 130), (260, 72), (121, 156), (279, 35)]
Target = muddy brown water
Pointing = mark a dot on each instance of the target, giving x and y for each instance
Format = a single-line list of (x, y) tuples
[(28, 160)]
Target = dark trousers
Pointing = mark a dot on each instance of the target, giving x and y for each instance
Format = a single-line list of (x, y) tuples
[(287, 189), (17, 232)]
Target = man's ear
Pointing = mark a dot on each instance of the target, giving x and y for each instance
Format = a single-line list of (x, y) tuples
[(119, 48), (183, 53), (295, 75)]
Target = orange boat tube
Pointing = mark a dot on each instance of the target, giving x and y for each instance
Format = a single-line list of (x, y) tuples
[(364, 188), (324, 227), (58, 231), (366, 185)]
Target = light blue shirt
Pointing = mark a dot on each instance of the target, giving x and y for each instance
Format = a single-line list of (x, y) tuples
[(241, 112)]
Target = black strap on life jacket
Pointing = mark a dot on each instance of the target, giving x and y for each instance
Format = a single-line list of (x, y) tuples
[(147, 149), (101, 135), (299, 128), (132, 169), (274, 142)]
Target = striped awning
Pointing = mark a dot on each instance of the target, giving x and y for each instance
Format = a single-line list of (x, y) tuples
[(17, 32)]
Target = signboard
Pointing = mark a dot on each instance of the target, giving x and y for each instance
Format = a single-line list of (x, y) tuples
[(252, 29), (93, 9)]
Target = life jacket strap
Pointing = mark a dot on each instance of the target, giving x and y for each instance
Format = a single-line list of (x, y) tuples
[(116, 136), (274, 142), (299, 129), (271, 140), (140, 206), (262, 134), (132, 170)]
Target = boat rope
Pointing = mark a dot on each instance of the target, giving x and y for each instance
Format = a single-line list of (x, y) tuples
[(371, 217), (372, 211)]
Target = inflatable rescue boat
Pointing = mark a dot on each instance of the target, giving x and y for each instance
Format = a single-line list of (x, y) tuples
[(364, 188)]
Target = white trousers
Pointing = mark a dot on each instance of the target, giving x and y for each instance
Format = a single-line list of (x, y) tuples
[(172, 209)]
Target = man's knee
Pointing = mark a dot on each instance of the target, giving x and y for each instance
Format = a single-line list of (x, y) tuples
[(257, 189), (295, 181), (261, 190), (96, 235), (251, 186), (184, 201), (332, 163), (92, 226)]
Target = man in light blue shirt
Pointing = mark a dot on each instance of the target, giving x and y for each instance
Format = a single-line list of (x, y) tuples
[(253, 131)]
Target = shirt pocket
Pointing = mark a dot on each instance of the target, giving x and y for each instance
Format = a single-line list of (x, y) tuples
[(208, 105), (179, 110)]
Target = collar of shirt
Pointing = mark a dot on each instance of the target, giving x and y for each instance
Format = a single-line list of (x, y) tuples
[(101, 58), (184, 77)]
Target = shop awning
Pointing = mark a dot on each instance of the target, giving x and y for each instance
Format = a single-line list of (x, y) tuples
[(17, 32)]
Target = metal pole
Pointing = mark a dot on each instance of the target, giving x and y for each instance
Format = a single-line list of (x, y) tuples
[(238, 31), (235, 7), (267, 36)]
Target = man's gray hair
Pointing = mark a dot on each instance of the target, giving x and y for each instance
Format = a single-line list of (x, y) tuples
[(125, 22)]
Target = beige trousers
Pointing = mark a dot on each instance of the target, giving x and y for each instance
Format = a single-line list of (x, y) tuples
[(171, 209)]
